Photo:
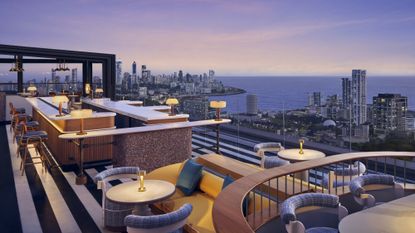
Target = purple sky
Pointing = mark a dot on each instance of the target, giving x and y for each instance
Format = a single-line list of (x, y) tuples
[(234, 37)]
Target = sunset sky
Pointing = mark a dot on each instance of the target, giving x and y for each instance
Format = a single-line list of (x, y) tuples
[(233, 37)]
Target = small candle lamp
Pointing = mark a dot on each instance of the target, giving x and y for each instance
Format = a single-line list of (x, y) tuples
[(301, 141), (32, 90), (81, 114), (88, 89), (141, 175), (172, 102), (60, 99), (218, 105), (99, 92)]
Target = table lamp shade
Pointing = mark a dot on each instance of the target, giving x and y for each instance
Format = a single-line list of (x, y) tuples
[(172, 101), (60, 99), (87, 88), (99, 90), (32, 88), (81, 113), (218, 104)]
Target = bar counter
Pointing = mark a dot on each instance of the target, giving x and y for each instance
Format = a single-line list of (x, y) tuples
[(129, 114), (65, 152)]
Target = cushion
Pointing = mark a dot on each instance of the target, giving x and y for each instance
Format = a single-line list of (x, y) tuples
[(201, 216), (227, 181), (189, 177), (211, 184), (288, 207), (321, 230)]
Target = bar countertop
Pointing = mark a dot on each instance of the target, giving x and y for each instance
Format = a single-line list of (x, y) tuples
[(50, 110), (145, 114)]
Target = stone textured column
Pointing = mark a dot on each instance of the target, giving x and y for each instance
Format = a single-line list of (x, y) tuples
[(154, 149)]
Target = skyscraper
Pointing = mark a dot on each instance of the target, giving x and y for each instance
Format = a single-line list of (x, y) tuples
[(118, 78), (389, 112), (359, 108), (346, 93), (134, 68), (251, 104)]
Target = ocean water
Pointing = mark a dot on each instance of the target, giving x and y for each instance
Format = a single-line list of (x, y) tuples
[(278, 93)]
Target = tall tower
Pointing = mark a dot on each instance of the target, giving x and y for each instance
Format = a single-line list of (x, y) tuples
[(118, 68), (359, 106), (346, 93), (251, 104), (134, 68), (74, 75)]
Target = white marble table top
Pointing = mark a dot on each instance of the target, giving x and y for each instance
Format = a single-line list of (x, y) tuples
[(127, 193), (51, 112), (295, 156), (392, 217), (145, 114)]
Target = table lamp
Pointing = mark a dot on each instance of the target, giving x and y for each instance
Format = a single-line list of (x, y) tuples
[(218, 105), (60, 99), (301, 141), (87, 88), (81, 114), (99, 92), (32, 90), (172, 102), (141, 175)]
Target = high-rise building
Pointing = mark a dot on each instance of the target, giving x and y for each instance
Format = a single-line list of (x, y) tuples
[(359, 108), (119, 77), (346, 93), (74, 75), (134, 68), (251, 104), (389, 113)]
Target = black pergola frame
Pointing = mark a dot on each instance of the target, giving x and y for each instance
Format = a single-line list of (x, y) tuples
[(47, 55)]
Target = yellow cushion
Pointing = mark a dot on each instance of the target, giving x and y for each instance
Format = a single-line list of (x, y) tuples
[(201, 216), (211, 184)]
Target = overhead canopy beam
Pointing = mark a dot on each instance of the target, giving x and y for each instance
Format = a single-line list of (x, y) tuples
[(87, 59), (43, 61)]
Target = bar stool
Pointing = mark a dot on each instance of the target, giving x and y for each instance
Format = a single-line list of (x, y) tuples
[(21, 112), (27, 138), (18, 129)]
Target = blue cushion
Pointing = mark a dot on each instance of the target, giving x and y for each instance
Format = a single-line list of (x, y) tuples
[(189, 177), (227, 181), (321, 230)]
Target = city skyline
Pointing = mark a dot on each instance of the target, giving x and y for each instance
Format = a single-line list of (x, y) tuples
[(272, 38)]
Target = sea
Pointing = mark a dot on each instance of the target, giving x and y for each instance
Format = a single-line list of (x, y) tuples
[(287, 93)]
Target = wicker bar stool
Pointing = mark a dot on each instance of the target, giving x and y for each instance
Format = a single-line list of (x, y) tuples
[(18, 128), (34, 138), (19, 112)]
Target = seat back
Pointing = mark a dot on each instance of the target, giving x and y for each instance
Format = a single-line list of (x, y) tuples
[(104, 177), (164, 223), (321, 209), (369, 189), (261, 148)]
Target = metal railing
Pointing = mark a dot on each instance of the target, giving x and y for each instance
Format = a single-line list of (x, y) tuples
[(266, 190)]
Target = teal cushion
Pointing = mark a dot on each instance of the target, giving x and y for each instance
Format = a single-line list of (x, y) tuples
[(227, 181), (189, 177)]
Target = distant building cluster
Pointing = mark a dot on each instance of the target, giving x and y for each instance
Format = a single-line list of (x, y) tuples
[(142, 85), (359, 120)]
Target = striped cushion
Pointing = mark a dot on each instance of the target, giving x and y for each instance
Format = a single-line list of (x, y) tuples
[(29, 124), (289, 206), (274, 161), (116, 171), (336, 183), (20, 110), (33, 136), (155, 221), (357, 184), (352, 170), (267, 145)]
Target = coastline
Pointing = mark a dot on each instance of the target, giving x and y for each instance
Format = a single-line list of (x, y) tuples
[(234, 91)]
